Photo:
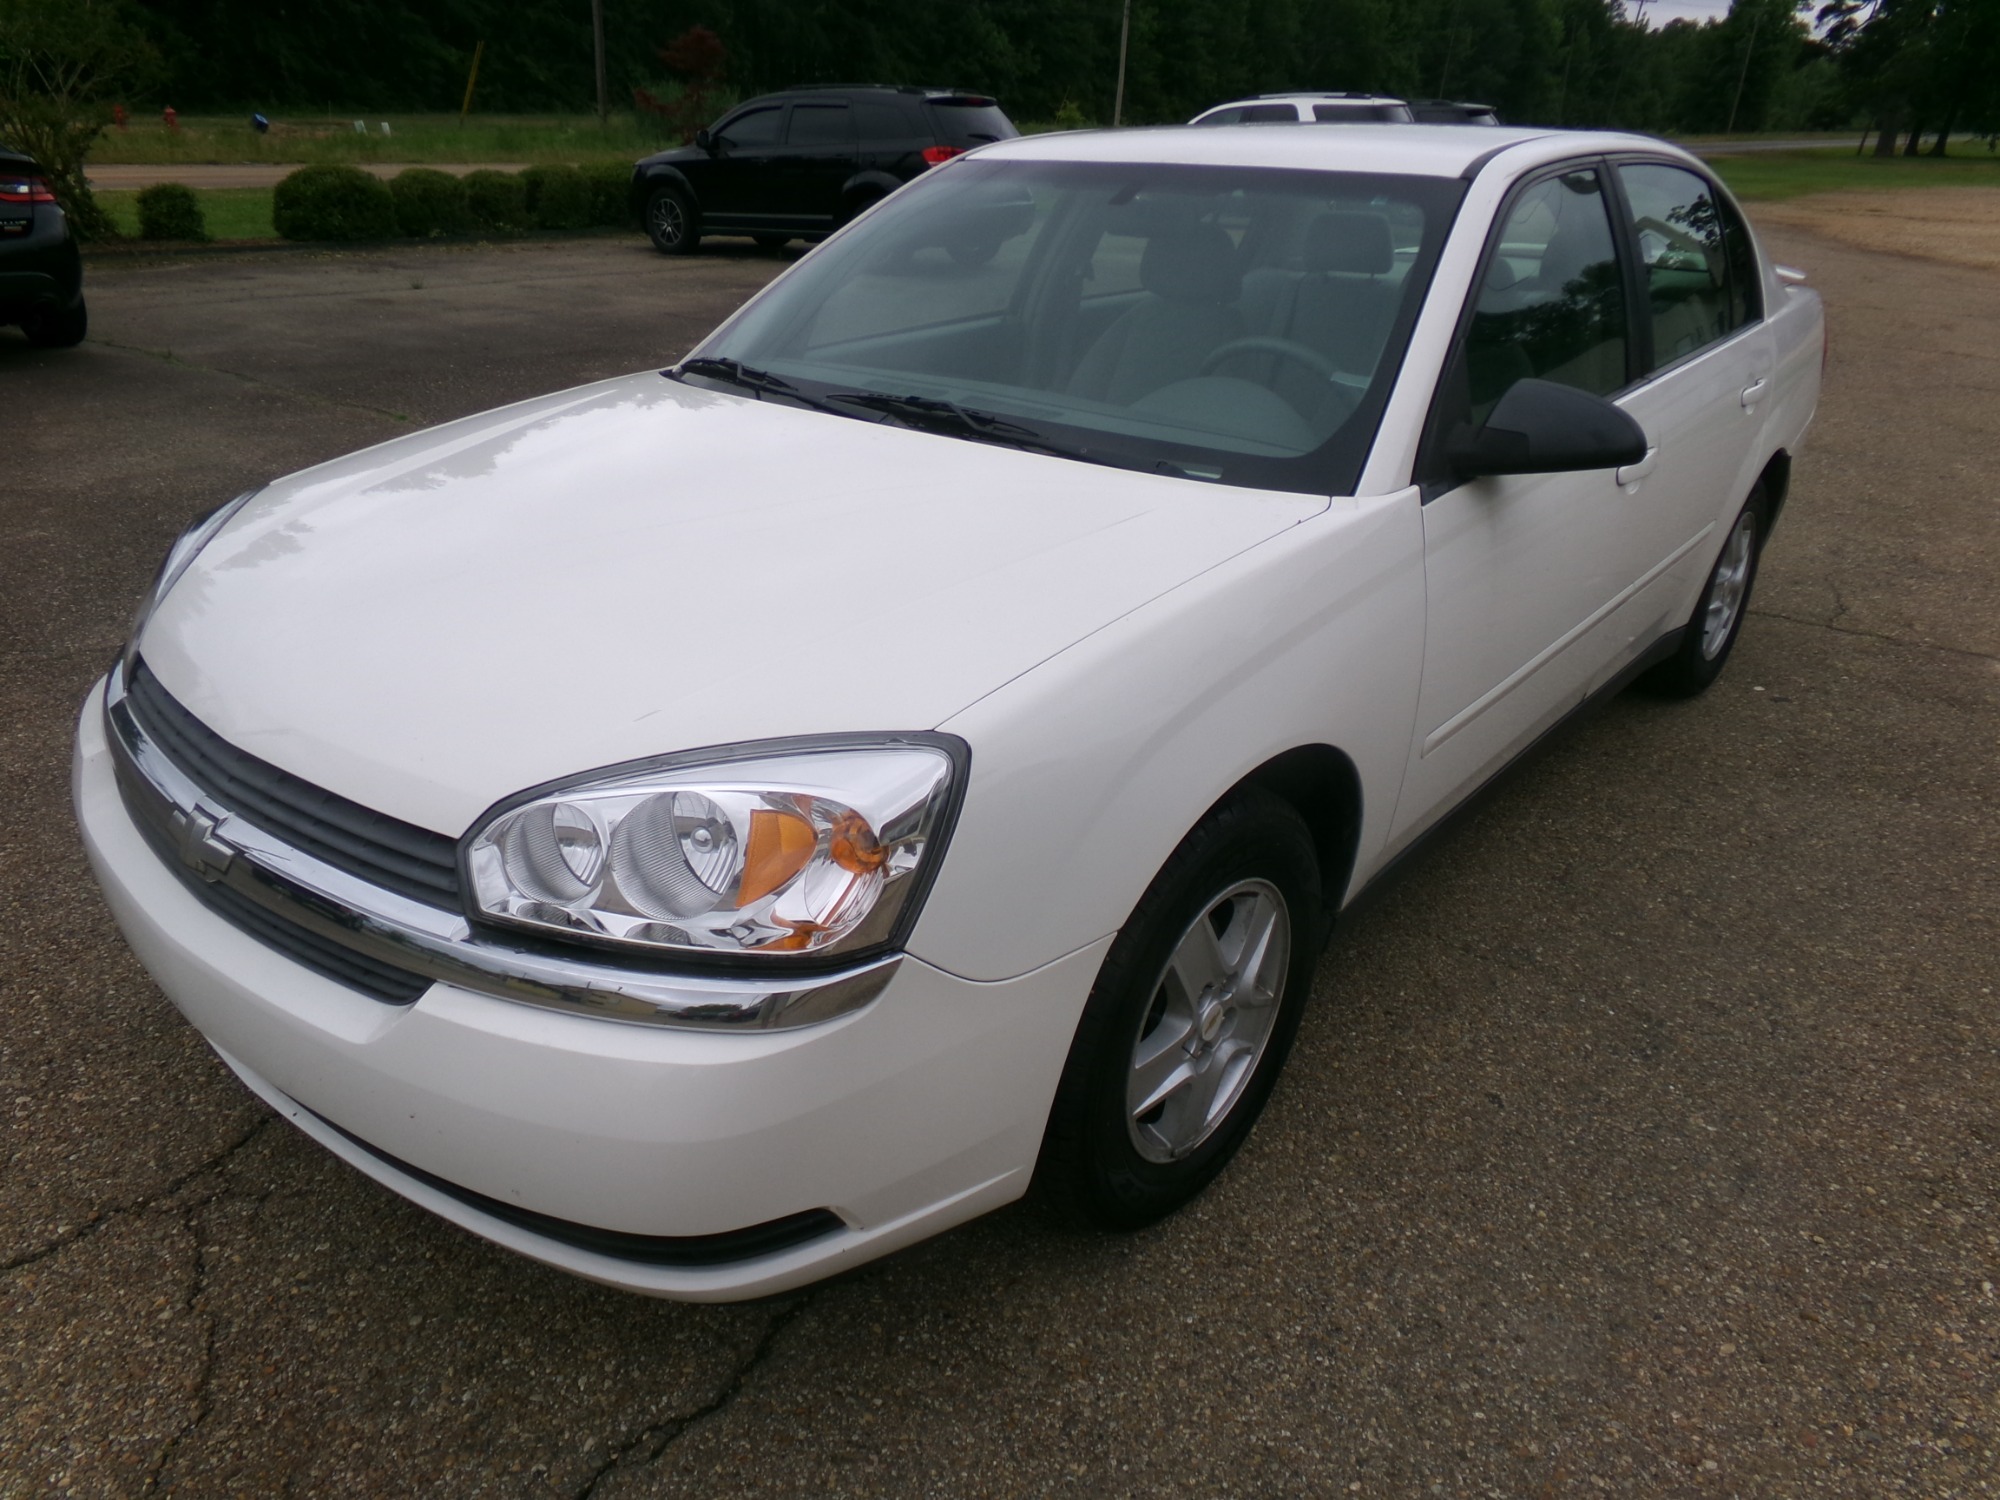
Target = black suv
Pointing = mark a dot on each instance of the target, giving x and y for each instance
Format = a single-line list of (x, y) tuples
[(806, 161), (41, 275)]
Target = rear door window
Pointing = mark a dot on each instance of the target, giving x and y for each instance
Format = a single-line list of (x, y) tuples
[(1679, 227), (1269, 114)]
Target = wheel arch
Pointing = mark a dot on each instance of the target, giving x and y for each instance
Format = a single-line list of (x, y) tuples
[(865, 188), (1776, 479), (656, 178), (1323, 786)]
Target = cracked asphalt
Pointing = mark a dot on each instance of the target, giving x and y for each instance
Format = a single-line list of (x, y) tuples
[(1642, 1141)]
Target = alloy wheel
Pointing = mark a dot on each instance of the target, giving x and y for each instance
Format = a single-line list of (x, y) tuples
[(1214, 1007), (1730, 585)]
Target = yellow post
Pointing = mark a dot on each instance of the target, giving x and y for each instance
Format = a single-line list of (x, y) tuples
[(470, 80)]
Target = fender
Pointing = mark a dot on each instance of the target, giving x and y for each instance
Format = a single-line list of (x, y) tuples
[(662, 174)]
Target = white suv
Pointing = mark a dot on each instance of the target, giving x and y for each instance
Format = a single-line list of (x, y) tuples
[(1309, 109)]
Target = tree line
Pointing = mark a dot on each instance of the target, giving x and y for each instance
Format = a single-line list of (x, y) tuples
[(1906, 64)]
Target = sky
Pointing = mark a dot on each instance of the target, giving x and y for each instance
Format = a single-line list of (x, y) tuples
[(1659, 12)]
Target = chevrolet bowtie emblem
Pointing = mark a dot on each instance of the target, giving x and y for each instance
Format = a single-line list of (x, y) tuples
[(201, 849)]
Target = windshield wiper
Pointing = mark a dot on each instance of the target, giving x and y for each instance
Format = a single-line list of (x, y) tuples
[(760, 383), (930, 414)]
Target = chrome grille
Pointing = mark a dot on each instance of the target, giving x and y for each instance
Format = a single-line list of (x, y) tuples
[(370, 846)]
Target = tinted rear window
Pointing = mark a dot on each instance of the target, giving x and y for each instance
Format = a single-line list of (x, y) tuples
[(963, 123)]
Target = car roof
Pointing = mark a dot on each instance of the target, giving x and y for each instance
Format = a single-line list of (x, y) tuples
[(906, 90), (1411, 150), (1313, 96)]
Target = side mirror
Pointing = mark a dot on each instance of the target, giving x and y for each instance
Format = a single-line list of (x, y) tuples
[(1539, 427), (703, 141)]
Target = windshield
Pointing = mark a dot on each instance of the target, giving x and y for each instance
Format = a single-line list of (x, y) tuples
[(1231, 324)]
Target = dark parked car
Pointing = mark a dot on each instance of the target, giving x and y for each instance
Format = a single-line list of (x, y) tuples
[(1453, 112), (805, 161), (41, 275)]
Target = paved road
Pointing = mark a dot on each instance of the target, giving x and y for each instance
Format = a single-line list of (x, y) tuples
[(1644, 1141)]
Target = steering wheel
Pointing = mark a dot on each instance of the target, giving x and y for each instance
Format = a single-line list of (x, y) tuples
[(1312, 359)]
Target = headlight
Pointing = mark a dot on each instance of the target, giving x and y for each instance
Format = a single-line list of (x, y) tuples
[(186, 548), (819, 850)]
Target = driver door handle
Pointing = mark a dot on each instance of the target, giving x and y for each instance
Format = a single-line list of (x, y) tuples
[(1631, 474)]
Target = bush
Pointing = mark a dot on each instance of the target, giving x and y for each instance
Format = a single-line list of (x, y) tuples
[(168, 211), (558, 198), (610, 194), (333, 203), (497, 201), (429, 202)]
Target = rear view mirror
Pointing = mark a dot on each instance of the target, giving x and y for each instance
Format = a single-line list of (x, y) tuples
[(1539, 427)]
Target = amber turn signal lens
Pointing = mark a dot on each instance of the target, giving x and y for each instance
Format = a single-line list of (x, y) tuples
[(780, 844), (852, 845)]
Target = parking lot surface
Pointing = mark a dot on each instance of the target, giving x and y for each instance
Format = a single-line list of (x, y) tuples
[(1642, 1141)]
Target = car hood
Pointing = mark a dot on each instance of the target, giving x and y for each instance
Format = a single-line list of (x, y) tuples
[(638, 567)]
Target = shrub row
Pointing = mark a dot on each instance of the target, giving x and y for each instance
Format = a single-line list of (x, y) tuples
[(345, 203)]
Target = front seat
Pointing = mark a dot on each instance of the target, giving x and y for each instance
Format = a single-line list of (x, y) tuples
[(1191, 282)]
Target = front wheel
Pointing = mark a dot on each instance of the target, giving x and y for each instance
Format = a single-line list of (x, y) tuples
[(1190, 1020), (58, 327), (670, 222), (1717, 620)]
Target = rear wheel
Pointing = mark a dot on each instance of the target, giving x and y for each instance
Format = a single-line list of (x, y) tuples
[(671, 223), (58, 327), (1717, 620), (858, 206), (1190, 1020)]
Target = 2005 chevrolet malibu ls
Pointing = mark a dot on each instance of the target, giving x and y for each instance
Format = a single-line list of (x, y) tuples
[(711, 827)]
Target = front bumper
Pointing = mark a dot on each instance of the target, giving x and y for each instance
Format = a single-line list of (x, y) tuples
[(920, 1111)]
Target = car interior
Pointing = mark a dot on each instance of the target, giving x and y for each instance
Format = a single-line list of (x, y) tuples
[(1225, 317)]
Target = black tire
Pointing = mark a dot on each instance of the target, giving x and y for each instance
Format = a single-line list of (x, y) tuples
[(671, 222), (772, 242), (1093, 1170), (1706, 643), (57, 328)]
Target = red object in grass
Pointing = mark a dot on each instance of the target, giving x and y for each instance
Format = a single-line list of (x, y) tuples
[(118, 115), (173, 120), (937, 155)]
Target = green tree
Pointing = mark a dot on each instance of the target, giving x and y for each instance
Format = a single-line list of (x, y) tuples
[(61, 61)]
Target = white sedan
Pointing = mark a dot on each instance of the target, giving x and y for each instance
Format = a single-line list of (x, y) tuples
[(711, 827)]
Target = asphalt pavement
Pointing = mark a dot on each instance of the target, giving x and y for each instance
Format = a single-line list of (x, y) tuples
[(1642, 1141)]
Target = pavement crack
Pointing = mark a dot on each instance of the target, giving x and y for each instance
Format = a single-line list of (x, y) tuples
[(107, 1213), (645, 1447), (168, 357), (1877, 635), (205, 1372)]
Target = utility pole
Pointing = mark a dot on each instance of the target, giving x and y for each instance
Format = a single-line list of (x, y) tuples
[(597, 34), (1756, 20), (1124, 41)]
